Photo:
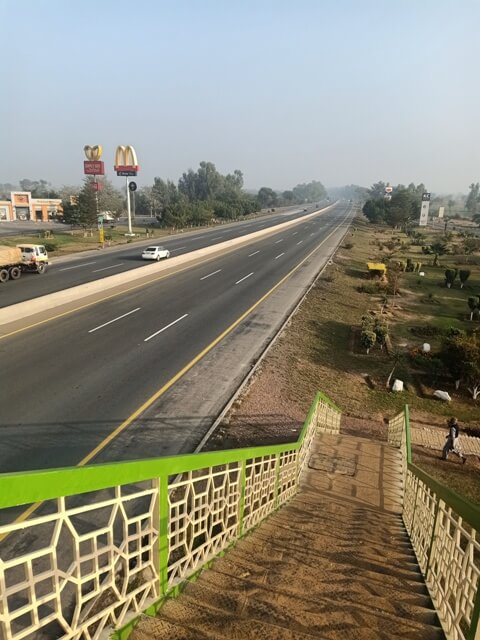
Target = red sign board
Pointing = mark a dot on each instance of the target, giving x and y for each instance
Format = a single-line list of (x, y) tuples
[(97, 186), (127, 170), (93, 167)]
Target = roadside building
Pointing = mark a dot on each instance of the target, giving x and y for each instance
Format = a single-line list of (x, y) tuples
[(22, 206)]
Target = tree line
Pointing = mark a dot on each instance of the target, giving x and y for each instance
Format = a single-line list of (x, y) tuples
[(198, 198)]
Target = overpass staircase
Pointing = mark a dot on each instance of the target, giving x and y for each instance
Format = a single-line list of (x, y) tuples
[(331, 536), (335, 562)]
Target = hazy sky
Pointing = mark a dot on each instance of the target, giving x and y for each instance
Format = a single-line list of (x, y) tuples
[(286, 91)]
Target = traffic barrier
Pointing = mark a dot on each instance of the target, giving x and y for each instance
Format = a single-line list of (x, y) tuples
[(57, 299)]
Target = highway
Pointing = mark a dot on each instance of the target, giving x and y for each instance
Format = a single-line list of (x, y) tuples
[(68, 385), (77, 269)]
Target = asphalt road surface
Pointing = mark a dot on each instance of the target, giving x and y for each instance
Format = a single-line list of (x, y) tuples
[(93, 265), (67, 385)]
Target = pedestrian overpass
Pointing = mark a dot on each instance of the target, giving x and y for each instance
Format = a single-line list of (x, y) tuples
[(331, 536)]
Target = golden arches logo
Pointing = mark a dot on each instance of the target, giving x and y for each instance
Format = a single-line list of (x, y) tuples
[(93, 153), (126, 156)]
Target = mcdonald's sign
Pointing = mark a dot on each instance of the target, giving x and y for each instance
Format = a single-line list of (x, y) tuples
[(93, 166), (126, 163)]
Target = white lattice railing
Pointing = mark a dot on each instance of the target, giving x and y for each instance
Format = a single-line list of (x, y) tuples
[(102, 544), (444, 532)]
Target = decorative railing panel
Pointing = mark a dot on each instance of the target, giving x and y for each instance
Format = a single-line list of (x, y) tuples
[(101, 544), (444, 532)]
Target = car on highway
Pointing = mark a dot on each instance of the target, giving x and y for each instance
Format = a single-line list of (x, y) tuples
[(155, 253)]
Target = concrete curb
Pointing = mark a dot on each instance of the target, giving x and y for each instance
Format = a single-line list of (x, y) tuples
[(28, 308)]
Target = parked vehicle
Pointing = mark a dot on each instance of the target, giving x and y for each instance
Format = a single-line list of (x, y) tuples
[(155, 253), (25, 257)]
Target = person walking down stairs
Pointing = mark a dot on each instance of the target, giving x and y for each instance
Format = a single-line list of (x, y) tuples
[(452, 443)]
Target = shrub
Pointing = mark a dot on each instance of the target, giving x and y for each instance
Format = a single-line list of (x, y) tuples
[(464, 275), (348, 245), (50, 246), (368, 339), (372, 287), (450, 275)]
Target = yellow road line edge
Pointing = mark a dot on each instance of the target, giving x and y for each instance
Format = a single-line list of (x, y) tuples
[(128, 421)]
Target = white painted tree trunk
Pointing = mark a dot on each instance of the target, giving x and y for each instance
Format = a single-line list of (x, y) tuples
[(475, 390)]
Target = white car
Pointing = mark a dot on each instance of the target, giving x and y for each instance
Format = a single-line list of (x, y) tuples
[(155, 253)]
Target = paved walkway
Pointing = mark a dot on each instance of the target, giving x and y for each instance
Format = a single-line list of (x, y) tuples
[(335, 563), (435, 439)]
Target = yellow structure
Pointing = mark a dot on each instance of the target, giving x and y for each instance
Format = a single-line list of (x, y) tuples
[(22, 206), (376, 267)]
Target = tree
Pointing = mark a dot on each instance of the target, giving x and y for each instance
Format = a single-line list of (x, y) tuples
[(38, 188), (165, 195), (310, 192), (381, 332), (377, 190), (461, 356), (110, 198), (403, 207), (451, 356), (450, 275), (288, 197), (438, 249), (368, 339), (473, 304), (472, 204), (374, 211), (464, 275), (470, 245), (87, 205), (266, 198)]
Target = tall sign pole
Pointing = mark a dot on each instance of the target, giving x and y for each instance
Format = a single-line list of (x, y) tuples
[(126, 164), (424, 210), (93, 166)]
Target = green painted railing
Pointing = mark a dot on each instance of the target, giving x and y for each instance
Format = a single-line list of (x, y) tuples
[(444, 530), (108, 542)]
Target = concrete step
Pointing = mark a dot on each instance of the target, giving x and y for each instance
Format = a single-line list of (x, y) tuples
[(156, 628), (382, 543), (319, 551), (314, 615), (198, 616), (264, 570)]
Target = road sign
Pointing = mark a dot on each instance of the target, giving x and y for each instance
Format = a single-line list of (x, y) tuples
[(132, 186), (126, 171), (426, 197)]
